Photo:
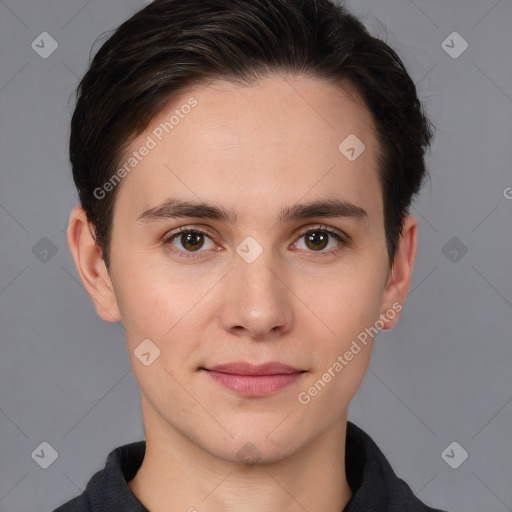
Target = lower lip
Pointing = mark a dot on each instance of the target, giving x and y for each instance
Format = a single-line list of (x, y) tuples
[(254, 385)]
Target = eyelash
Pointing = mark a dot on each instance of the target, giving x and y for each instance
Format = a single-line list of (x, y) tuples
[(169, 238)]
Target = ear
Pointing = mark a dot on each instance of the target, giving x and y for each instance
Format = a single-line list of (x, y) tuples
[(91, 267), (400, 274)]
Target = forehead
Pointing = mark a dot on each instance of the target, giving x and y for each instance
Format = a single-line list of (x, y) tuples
[(275, 141)]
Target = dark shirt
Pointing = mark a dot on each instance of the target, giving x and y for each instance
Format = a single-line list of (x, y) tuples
[(375, 486)]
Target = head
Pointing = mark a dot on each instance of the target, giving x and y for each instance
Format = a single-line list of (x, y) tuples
[(256, 108)]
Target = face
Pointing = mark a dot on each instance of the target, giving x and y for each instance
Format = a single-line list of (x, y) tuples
[(261, 276)]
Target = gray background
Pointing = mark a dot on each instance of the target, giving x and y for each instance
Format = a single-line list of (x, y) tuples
[(442, 375)]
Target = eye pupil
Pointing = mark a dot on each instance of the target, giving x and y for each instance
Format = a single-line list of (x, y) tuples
[(318, 240), (189, 240)]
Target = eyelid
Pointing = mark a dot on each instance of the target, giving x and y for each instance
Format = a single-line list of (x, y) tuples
[(184, 229), (323, 227)]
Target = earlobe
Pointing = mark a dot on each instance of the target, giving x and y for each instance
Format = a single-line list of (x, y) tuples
[(400, 275), (90, 265)]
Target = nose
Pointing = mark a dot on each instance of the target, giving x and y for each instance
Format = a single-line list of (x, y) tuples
[(257, 299)]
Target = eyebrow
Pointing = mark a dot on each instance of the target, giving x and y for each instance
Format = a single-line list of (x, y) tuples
[(174, 208)]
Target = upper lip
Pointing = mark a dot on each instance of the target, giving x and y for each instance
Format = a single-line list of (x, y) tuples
[(243, 368)]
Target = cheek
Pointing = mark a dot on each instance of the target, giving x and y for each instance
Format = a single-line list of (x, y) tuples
[(349, 307), (350, 302), (150, 306), (342, 358), (171, 311), (157, 310)]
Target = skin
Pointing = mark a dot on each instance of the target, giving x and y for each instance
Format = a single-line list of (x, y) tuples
[(254, 149)]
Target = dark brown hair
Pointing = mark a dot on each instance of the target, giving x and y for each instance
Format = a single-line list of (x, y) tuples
[(173, 44)]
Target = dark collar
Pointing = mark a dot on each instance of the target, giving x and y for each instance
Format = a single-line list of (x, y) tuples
[(375, 486)]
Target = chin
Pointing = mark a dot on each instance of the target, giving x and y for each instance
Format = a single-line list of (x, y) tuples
[(254, 446)]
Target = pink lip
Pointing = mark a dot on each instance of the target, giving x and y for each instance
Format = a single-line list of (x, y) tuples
[(254, 380)]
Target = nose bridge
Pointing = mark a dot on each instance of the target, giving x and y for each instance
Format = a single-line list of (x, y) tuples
[(258, 299), (256, 268)]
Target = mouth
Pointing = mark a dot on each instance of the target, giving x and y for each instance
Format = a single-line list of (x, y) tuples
[(243, 368), (254, 380)]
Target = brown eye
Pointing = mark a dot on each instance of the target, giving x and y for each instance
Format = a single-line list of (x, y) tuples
[(320, 238), (190, 240), (316, 240)]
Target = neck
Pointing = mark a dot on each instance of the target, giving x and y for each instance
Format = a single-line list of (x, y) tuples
[(178, 474)]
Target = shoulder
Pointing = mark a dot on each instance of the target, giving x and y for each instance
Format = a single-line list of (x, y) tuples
[(108, 490), (375, 486)]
